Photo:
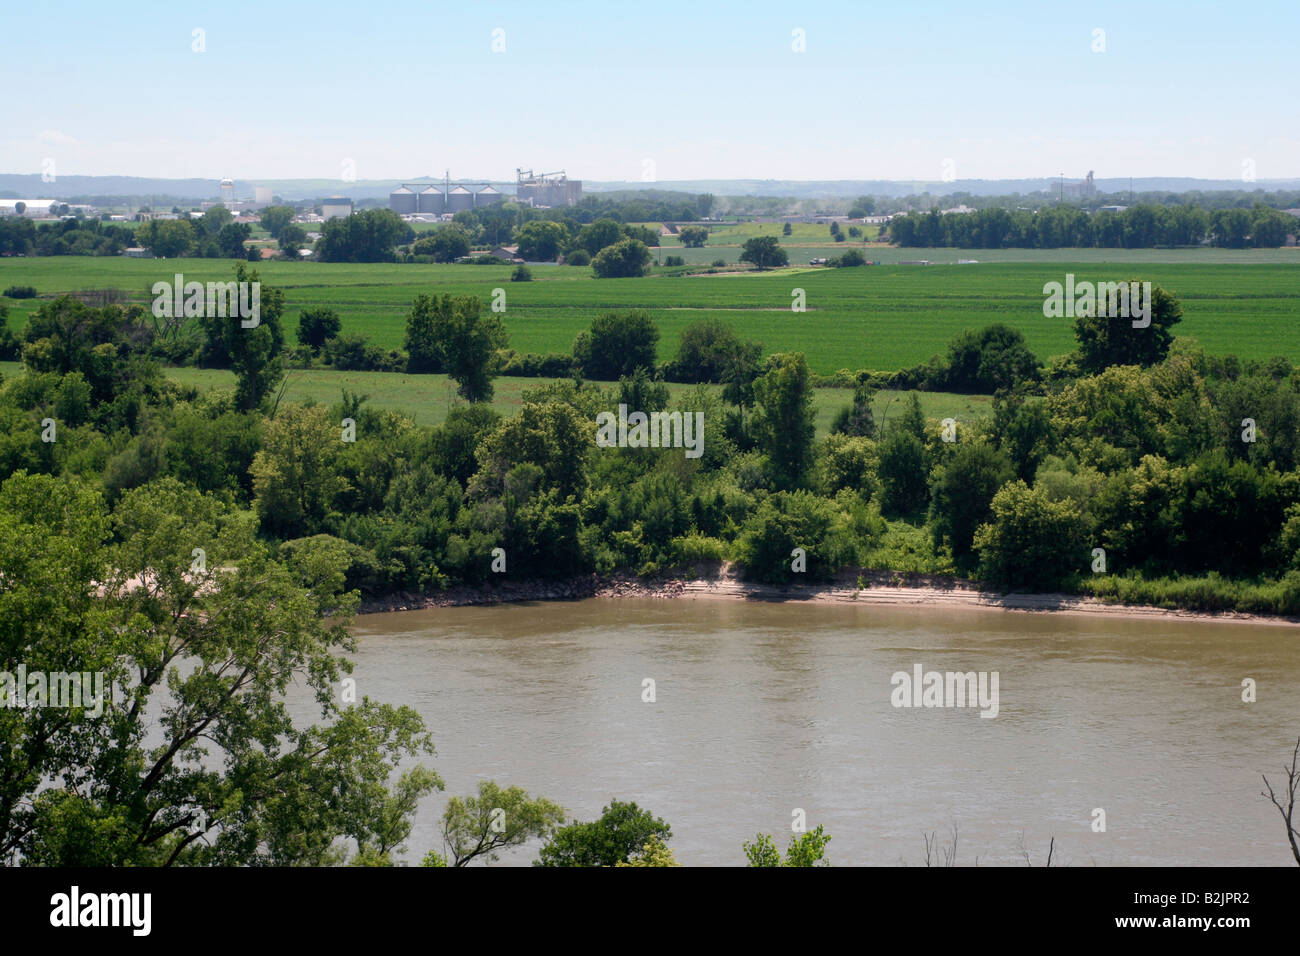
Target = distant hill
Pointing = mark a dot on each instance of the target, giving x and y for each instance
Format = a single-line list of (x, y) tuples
[(842, 188), (172, 191)]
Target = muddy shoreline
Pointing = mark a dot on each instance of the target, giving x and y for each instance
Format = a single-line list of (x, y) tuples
[(882, 588)]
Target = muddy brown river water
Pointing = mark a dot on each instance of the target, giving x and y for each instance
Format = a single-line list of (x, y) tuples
[(764, 708)]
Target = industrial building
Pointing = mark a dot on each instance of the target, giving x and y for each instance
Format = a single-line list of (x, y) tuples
[(335, 207), (547, 189), (1084, 188)]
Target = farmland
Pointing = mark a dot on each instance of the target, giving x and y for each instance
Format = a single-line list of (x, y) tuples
[(882, 317)]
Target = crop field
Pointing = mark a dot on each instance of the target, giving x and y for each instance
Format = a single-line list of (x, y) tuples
[(880, 317)]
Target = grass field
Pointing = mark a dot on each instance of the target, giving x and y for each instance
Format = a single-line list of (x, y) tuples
[(881, 317), (426, 398)]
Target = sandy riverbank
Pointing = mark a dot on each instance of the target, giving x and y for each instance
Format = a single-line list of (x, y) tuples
[(881, 588)]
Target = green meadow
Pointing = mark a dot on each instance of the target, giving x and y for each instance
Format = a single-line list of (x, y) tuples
[(427, 398), (881, 317)]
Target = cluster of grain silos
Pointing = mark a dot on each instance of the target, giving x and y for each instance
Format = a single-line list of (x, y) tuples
[(439, 198)]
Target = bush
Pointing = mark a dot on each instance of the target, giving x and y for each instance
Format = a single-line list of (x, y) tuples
[(695, 548), (20, 292), (783, 522), (578, 257), (351, 353), (532, 365), (674, 261), (719, 263), (521, 274), (850, 258)]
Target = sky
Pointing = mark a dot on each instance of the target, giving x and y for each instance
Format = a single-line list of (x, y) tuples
[(652, 91)]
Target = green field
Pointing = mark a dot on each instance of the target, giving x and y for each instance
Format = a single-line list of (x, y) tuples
[(426, 398), (881, 317)]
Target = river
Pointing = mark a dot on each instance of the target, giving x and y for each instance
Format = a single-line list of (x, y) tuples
[(764, 708)]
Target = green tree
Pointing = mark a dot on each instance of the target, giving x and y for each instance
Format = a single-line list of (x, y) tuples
[(230, 240), (693, 237), (622, 831), (599, 234), (553, 436), (215, 219), (541, 240), (275, 218), (467, 342), (862, 207), (785, 521), (994, 357), (654, 853), (764, 252), (1032, 541), (200, 763), (623, 259), (255, 353), (166, 238), (292, 238), (296, 475), (964, 487), (498, 818), (857, 418), (447, 244), (368, 236), (784, 420), (317, 326), (452, 333), (421, 342), (806, 849), (618, 344), (707, 352), (903, 474), (1105, 341)]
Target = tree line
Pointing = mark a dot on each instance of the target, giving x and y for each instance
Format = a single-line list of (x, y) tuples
[(1055, 227)]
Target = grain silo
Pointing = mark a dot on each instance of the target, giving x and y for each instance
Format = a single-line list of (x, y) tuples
[(487, 196), (459, 199), (402, 201), (431, 200)]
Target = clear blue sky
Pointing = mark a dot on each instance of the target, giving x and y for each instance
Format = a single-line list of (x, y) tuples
[(703, 89)]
